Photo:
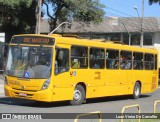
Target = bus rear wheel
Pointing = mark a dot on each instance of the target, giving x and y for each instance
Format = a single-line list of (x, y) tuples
[(79, 95), (136, 90)]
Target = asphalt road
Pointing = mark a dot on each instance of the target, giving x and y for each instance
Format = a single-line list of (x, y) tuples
[(104, 105)]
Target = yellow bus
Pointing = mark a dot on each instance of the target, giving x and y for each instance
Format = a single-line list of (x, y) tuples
[(56, 68)]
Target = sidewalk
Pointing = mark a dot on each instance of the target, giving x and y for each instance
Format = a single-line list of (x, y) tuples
[(1, 85)]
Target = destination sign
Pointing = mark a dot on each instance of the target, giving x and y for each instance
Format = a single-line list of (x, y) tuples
[(39, 40)]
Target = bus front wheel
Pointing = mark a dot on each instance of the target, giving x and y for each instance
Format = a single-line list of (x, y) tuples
[(136, 90), (79, 95)]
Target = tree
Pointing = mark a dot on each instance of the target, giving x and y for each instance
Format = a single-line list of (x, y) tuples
[(154, 1), (17, 16), (78, 10)]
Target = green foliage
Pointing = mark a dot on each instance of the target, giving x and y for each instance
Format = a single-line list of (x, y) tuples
[(14, 3), (87, 11), (78, 10), (154, 1), (17, 16)]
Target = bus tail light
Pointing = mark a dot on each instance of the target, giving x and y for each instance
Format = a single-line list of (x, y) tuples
[(6, 81), (46, 84)]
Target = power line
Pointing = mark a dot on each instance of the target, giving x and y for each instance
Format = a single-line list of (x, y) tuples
[(122, 2), (127, 6), (136, 23), (120, 12)]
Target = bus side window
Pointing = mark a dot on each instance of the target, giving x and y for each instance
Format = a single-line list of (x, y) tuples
[(155, 62), (79, 57), (126, 60), (62, 60), (137, 61), (149, 61), (96, 58), (112, 59)]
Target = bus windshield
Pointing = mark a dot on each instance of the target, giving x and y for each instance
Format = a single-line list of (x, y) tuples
[(29, 62)]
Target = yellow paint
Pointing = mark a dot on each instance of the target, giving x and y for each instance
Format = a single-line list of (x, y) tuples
[(99, 82)]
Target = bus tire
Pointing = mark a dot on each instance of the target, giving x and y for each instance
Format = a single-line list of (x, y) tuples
[(136, 90), (79, 95)]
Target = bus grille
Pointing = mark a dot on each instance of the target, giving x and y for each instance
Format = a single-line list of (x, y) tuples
[(25, 90)]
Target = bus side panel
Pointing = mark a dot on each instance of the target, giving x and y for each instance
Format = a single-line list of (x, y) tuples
[(155, 79), (147, 79), (106, 83), (93, 79), (63, 87), (61, 94), (147, 82)]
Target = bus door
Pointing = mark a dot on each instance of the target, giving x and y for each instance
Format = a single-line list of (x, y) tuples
[(61, 84)]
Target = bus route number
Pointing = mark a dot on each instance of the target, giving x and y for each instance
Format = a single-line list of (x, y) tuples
[(97, 76)]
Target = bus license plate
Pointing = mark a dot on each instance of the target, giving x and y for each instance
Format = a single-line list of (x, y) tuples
[(22, 94)]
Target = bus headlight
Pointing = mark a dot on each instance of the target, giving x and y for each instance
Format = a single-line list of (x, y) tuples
[(5, 80), (46, 84)]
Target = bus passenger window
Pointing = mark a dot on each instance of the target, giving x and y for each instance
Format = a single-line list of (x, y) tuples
[(126, 60), (137, 61), (112, 59), (128, 64), (96, 58), (122, 61), (79, 57), (149, 61), (155, 62), (62, 61)]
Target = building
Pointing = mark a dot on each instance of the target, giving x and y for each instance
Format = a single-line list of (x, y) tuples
[(115, 29)]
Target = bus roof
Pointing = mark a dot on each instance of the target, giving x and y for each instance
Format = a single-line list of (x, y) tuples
[(100, 43)]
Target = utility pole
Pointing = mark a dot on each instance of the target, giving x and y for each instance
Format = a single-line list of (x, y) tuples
[(142, 33), (141, 21), (38, 16)]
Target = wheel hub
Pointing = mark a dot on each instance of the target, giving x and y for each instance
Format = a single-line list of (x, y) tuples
[(77, 95), (137, 91)]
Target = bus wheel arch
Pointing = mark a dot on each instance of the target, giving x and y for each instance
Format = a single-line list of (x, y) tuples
[(137, 90), (79, 95)]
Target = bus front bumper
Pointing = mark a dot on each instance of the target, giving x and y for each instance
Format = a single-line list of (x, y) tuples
[(43, 95)]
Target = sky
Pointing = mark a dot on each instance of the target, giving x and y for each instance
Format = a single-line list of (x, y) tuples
[(125, 8)]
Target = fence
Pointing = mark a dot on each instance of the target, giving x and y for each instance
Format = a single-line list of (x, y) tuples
[(122, 112)]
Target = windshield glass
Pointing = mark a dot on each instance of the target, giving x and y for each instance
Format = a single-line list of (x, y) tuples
[(29, 62)]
